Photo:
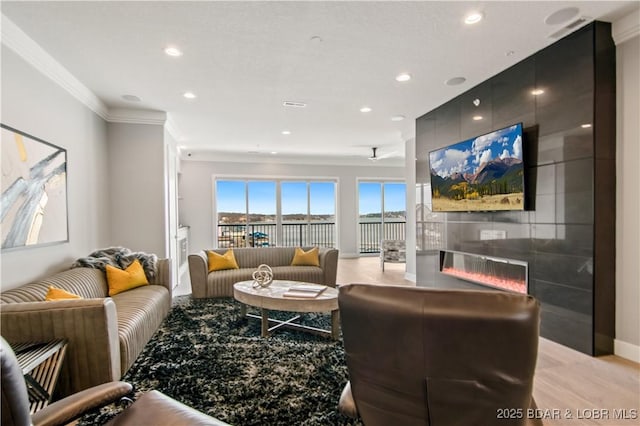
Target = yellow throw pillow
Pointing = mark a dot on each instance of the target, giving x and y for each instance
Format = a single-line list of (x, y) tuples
[(128, 279), (306, 258), (55, 293), (219, 262)]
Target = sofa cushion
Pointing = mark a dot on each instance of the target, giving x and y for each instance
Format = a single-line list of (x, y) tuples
[(220, 283), (140, 313), (55, 293), (272, 256), (122, 280), (310, 274), (306, 258), (220, 262), (85, 282)]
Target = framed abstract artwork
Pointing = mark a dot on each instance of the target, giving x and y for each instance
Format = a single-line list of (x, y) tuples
[(34, 191)]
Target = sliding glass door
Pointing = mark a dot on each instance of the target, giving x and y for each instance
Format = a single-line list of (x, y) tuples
[(382, 213)]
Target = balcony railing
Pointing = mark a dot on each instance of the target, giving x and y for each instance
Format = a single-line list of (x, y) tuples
[(306, 234), (264, 234), (430, 236), (372, 232)]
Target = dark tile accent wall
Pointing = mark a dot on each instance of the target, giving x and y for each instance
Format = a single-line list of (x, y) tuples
[(567, 232)]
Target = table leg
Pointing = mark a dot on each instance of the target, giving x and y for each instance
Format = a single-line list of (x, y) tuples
[(265, 323), (243, 310), (335, 324)]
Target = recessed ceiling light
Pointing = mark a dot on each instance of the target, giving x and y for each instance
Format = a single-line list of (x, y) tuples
[(398, 117), (365, 109), (131, 98), (455, 81), (473, 18), (316, 39), (536, 92), (586, 126), (561, 16), (294, 104), (189, 95), (286, 132), (173, 51), (274, 152), (477, 117), (403, 77)]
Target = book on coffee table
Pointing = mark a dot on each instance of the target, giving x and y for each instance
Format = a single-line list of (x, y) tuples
[(304, 291)]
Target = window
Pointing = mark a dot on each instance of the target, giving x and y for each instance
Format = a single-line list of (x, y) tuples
[(295, 216), (260, 213), (231, 204), (382, 211), (261, 223), (322, 214)]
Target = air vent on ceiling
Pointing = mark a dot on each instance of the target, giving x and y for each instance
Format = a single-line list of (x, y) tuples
[(293, 104), (570, 27)]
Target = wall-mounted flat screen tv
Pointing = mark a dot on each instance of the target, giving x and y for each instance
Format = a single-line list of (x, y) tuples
[(484, 173)]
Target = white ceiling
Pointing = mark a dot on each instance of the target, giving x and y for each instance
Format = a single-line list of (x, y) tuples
[(243, 59)]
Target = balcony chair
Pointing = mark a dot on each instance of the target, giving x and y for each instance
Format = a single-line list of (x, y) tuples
[(152, 408), (394, 251), (420, 356)]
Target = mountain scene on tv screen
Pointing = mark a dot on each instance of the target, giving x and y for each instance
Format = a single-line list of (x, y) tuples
[(480, 174)]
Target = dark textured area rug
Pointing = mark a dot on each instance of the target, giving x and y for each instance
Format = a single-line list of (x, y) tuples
[(207, 356)]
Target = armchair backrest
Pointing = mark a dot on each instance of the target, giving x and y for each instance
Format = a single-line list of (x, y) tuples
[(421, 356), (15, 400), (393, 250)]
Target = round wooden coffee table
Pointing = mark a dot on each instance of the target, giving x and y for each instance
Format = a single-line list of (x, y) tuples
[(273, 298)]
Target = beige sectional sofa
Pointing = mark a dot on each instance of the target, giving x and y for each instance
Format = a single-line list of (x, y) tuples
[(104, 334), (220, 283)]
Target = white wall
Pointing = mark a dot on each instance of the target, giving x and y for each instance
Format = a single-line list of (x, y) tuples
[(410, 172), (36, 105), (196, 192), (171, 200), (627, 341), (137, 187)]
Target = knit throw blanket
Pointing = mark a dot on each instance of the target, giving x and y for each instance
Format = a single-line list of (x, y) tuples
[(118, 257)]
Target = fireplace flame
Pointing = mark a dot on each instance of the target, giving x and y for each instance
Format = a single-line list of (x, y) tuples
[(518, 286)]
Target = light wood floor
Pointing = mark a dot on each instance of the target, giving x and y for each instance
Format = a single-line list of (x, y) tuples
[(570, 388)]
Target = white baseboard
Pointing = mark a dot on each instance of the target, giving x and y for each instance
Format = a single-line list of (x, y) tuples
[(349, 255), (410, 277), (626, 350)]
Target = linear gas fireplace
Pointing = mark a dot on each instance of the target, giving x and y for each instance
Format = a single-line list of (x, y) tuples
[(495, 272)]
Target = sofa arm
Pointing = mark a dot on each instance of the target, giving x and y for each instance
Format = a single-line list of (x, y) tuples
[(90, 327), (198, 271), (346, 404), (329, 264), (163, 275), (70, 408)]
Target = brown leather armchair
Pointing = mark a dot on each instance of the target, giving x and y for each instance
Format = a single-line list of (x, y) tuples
[(421, 356), (152, 408)]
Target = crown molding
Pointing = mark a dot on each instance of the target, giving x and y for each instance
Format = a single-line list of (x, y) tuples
[(627, 27), (136, 116), (18, 41), (208, 155)]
